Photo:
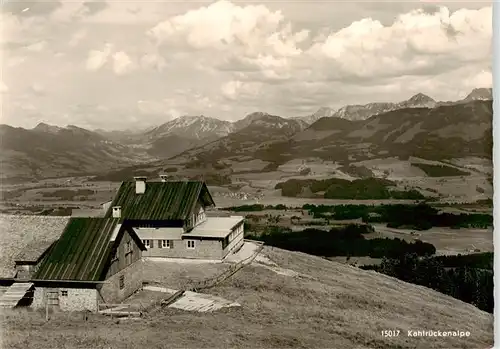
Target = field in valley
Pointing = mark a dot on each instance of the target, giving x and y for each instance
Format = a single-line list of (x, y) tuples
[(456, 180), (322, 305), (80, 192), (447, 241)]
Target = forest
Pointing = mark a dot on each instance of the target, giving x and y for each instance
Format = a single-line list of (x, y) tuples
[(419, 216), (467, 277), (348, 241), (335, 188)]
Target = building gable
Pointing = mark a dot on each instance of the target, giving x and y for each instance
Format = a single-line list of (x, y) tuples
[(125, 250), (83, 251), (196, 216)]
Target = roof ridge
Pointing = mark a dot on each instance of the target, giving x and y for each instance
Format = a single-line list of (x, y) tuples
[(161, 201)]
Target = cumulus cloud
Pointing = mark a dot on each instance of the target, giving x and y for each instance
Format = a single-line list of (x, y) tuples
[(260, 42), (122, 64), (417, 42), (225, 59), (97, 59), (222, 25)]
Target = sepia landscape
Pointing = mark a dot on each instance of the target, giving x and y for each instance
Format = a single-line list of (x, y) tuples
[(246, 175)]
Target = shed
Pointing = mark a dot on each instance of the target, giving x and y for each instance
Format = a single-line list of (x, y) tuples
[(96, 260), (27, 261)]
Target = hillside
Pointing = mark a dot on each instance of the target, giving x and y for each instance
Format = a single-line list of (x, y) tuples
[(183, 133), (257, 132), (442, 152), (458, 130), (479, 94), (443, 132), (354, 112), (46, 151), (418, 128), (288, 300)]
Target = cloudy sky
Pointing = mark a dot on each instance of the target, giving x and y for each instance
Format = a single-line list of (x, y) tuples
[(124, 64)]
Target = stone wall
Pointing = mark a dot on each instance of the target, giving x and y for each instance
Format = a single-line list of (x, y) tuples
[(77, 299), (110, 291)]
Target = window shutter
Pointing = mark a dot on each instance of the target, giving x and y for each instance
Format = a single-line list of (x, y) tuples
[(159, 243), (171, 243)]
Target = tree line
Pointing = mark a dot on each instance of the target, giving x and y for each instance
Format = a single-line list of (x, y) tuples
[(418, 216), (359, 189), (468, 278), (347, 241), (255, 208)]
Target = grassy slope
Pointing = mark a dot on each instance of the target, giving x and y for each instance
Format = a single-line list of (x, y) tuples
[(329, 306)]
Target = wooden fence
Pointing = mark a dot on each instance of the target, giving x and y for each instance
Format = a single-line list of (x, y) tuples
[(119, 310), (214, 281), (208, 283)]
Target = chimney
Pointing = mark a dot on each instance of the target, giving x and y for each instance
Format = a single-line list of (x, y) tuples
[(164, 177), (140, 185), (117, 211)]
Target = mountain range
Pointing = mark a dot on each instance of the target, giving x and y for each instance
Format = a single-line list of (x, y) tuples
[(442, 132), (363, 112), (419, 125), (51, 151)]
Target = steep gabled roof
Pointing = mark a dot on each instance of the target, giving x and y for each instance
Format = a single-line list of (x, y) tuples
[(160, 201), (83, 250)]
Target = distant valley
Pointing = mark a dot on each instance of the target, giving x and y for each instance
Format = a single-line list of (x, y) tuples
[(380, 140)]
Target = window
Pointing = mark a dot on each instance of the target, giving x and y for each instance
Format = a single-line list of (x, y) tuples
[(146, 243), (190, 244), (64, 293), (128, 252), (165, 243), (122, 282)]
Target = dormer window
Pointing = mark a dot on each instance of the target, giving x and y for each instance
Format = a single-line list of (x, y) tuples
[(117, 211)]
